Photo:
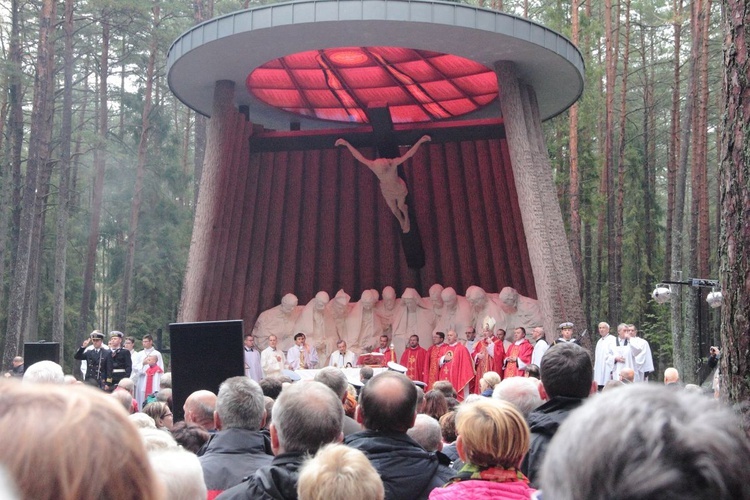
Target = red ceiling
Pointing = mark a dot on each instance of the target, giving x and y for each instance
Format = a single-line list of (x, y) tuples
[(340, 84)]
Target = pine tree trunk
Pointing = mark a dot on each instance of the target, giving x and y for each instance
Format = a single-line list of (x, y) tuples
[(100, 161), (735, 206), (575, 199), (674, 138), (135, 206), (611, 73)]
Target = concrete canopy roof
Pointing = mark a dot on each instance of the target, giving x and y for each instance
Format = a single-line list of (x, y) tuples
[(232, 46)]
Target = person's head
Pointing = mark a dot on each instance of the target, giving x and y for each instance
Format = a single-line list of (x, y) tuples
[(44, 372), (271, 387), (189, 435), (156, 439), (199, 409), (566, 371), (679, 446), (384, 341), (671, 375), (127, 385), (365, 373), (52, 437), (306, 416), (124, 398), (181, 473), (603, 329), (435, 404), (115, 339), (476, 297), (438, 338), (299, 339), (622, 330), (249, 341), (410, 298), (471, 333), (239, 405), (519, 334), (537, 333), (334, 379), (288, 303), (521, 392), (566, 330), (388, 403), (426, 432), (627, 375), (161, 414), (489, 380), (611, 384), (152, 359), (448, 427), (414, 341), (491, 433), (367, 300), (129, 343), (97, 339), (531, 370), (451, 337), (446, 388), (632, 330), (389, 297), (272, 341), (338, 472), (500, 334), (341, 345), (147, 341), (142, 421)]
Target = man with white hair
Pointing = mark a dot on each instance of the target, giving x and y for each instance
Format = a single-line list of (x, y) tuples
[(604, 359), (540, 345), (646, 441), (522, 392), (239, 448), (44, 372), (426, 431), (623, 351), (643, 362), (342, 358), (199, 409), (306, 416)]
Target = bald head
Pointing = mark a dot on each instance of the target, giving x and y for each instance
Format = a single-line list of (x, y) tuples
[(199, 409), (388, 403), (627, 375)]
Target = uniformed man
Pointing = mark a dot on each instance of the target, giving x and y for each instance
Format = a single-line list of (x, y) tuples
[(98, 361), (122, 362)]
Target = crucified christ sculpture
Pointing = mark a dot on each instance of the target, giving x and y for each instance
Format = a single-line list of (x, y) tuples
[(392, 186)]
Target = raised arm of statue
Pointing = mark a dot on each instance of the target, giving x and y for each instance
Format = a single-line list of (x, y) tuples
[(391, 185)]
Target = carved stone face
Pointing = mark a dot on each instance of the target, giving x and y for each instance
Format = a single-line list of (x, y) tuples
[(450, 300), (435, 298), (288, 303), (508, 298), (411, 304), (389, 297), (321, 299)]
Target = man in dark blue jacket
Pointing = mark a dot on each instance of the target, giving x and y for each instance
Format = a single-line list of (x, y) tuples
[(387, 409)]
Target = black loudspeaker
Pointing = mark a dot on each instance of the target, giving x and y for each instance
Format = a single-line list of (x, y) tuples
[(40, 351), (203, 356)]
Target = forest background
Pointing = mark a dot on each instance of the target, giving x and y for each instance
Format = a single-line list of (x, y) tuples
[(101, 163)]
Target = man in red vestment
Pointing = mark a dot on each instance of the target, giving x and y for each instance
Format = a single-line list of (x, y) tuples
[(518, 355), (456, 365), (500, 352), (484, 356), (432, 364), (414, 359), (387, 350)]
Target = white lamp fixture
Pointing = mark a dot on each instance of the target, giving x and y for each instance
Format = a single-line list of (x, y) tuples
[(661, 294), (714, 299)]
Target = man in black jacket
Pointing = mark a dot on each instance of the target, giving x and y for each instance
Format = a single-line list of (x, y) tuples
[(387, 409), (567, 380), (122, 363), (306, 416), (239, 448), (98, 361)]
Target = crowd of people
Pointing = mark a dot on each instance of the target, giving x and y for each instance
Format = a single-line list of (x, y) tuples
[(521, 430)]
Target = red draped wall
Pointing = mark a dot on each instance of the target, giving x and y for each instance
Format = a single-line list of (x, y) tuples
[(306, 221)]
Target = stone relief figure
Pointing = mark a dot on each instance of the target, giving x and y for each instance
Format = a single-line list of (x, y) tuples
[(412, 318), (392, 186), (435, 303), (482, 306), (363, 325), (339, 309), (317, 325), (280, 321), (457, 312), (386, 308), (518, 310)]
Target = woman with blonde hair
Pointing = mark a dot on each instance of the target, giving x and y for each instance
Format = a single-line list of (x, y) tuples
[(338, 472), (492, 440), (58, 444), (161, 414), (487, 383)]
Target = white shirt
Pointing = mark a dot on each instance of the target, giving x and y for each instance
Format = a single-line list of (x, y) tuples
[(272, 361), (643, 361), (540, 348), (626, 349), (339, 360), (252, 363), (604, 359), (310, 357)]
